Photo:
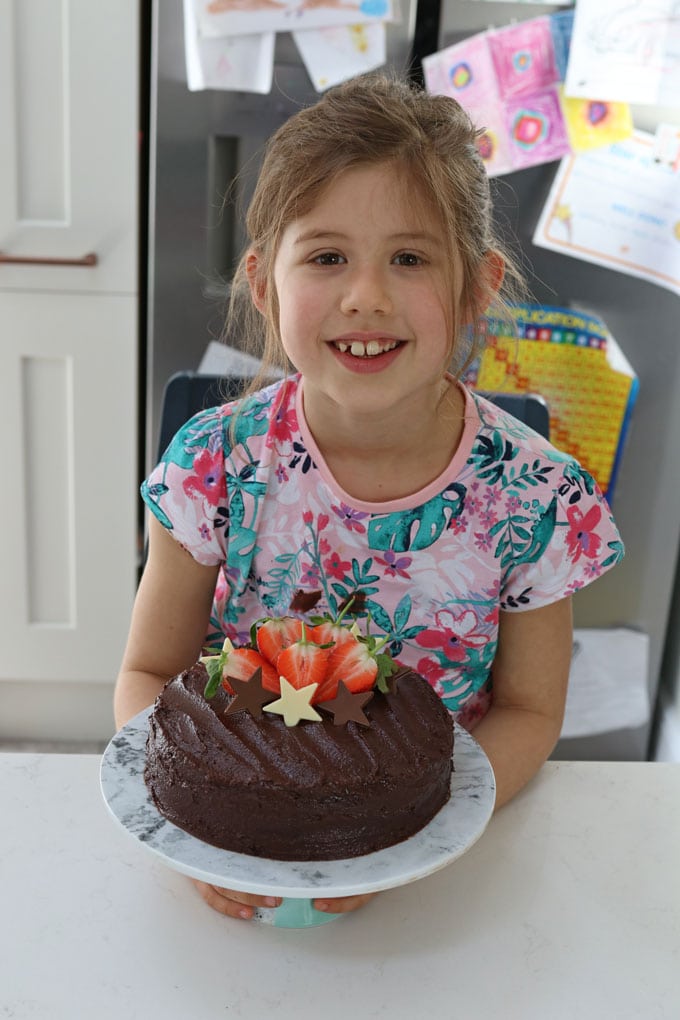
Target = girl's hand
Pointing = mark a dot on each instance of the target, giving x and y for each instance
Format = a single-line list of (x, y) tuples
[(240, 905), (233, 904), (344, 904)]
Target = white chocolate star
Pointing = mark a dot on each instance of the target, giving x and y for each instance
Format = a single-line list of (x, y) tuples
[(294, 703)]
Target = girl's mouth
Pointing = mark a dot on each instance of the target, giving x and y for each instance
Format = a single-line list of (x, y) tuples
[(368, 349)]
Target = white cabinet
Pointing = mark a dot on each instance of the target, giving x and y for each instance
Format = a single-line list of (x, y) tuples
[(69, 123), (69, 84)]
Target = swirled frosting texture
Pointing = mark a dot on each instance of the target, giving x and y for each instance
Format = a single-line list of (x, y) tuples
[(315, 791)]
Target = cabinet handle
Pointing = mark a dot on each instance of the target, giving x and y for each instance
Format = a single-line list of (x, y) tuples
[(27, 260)]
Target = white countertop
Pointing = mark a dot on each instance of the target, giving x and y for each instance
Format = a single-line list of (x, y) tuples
[(568, 908)]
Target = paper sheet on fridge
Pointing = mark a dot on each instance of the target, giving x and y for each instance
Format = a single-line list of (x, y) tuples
[(239, 17), (619, 208), (607, 682), (333, 55), (509, 81), (626, 51), (242, 63)]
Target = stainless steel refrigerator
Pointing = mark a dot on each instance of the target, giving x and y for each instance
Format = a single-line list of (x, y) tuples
[(198, 143)]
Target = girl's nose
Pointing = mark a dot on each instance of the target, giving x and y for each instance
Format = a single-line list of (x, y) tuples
[(366, 292)]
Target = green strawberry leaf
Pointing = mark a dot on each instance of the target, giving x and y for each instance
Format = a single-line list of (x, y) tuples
[(213, 664), (386, 667)]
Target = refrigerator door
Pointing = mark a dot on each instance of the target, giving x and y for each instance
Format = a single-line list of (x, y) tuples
[(643, 318)]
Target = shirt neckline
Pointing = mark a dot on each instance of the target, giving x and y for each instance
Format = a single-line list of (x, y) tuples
[(471, 424)]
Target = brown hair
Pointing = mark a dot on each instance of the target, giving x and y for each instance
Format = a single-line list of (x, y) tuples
[(369, 120)]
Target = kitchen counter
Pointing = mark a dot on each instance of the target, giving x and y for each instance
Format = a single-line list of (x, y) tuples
[(568, 908)]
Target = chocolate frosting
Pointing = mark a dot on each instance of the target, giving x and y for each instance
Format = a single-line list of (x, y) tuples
[(314, 791)]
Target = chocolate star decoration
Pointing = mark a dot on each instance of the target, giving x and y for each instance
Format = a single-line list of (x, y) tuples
[(347, 707), (249, 695)]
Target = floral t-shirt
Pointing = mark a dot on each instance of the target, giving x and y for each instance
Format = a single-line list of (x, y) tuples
[(511, 524)]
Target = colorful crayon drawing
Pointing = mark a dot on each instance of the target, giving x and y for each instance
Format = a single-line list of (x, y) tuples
[(537, 128), (592, 123), (509, 80), (523, 57)]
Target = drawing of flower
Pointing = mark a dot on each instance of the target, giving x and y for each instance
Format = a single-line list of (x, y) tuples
[(310, 575), (483, 540), (582, 539), (208, 479), (395, 565), (458, 525), (351, 518), (284, 425), (335, 567), (488, 518), (453, 635)]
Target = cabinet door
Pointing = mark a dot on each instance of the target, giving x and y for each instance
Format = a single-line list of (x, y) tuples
[(68, 506), (69, 85), (69, 127)]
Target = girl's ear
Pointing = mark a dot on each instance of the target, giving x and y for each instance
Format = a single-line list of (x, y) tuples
[(494, 271), (488, 282), (258, 286)]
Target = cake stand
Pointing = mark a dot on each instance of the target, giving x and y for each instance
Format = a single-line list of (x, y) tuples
[(451, 832)]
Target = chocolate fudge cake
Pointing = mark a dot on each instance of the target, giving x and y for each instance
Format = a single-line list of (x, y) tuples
[(290, 770)]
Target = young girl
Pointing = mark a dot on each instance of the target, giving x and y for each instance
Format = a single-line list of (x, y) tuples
[(371, 471)]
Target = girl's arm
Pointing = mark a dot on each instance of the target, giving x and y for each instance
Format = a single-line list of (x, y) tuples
[(169, 622), (530, 675)]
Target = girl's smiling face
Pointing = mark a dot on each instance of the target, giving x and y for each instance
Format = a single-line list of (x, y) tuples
[(364, 295)]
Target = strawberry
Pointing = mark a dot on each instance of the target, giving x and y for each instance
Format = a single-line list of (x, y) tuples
[(275, 635), (239, 663), (351, 661), (332, 631), (304, 662)]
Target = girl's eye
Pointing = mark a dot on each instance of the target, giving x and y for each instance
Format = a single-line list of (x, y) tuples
[(328, 258), (408, 258)]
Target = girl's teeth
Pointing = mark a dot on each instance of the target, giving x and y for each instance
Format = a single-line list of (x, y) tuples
[(361, 350)]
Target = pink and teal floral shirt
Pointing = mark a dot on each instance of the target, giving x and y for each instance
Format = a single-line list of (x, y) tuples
[(511, 524)]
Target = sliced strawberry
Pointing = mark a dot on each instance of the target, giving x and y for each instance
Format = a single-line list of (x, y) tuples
[(350, 661), (325, 633), (304, 662), (277, 634), (241, 663), (329, 632)]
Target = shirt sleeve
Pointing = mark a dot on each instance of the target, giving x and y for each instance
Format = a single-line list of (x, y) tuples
[(573, 541), (187, 491)]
